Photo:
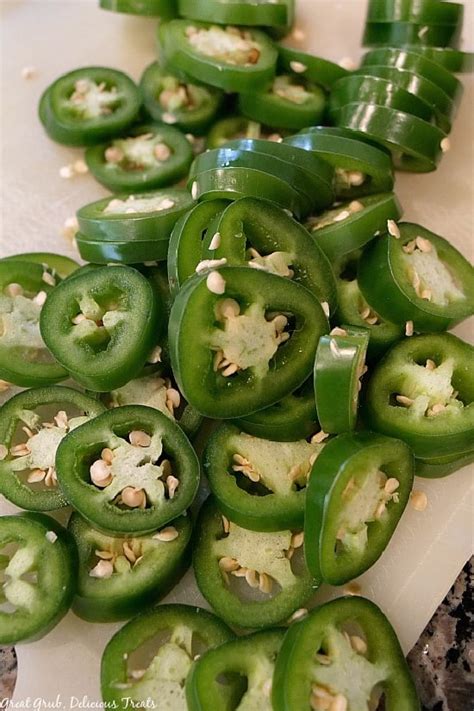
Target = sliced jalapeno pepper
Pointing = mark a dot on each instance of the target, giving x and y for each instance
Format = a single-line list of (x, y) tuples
[(452, 59), (238, 127), (357, 492), (56, 264), (259, 484), (430, 11), (24, 357), (175, 634), (396, 34), (150, 156), (168, 99), (422, 392), (130, 470), (345, 639), (38, 564), (239, 12), (285, 421), (315, 69), (89, 105), (338, 368), (251, 657), (225, 553), (351, 226), (101, 325), (361, 169), (258, 234), (129, 252), (231, 58), (420, 277), (120, 576), (149, 8), (437, 467), (291, 102), (240, 361), (32, 423)]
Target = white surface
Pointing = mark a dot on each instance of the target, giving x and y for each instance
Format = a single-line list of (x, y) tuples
[(429, 548)]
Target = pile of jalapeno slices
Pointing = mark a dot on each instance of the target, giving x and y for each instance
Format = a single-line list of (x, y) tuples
[(253, 320)]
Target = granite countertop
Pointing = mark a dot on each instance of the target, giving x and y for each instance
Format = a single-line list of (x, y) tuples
[(441, 661)]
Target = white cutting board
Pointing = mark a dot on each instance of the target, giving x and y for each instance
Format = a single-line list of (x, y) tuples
[(55, 36)]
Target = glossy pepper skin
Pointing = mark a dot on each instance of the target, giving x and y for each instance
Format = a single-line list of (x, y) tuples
[(47, 549), (222, 12), (452, 59), (317, 70), (337, 549), (396, 34), (321, 632), (57, 264), (429, 370), (164, 9)]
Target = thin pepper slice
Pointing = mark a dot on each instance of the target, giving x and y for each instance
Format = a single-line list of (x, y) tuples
[(422, 11), (56, 264), (316, 69), (239, 127), (396, 34), (165, 9), (452, 59), (438, 467), (238, 12)]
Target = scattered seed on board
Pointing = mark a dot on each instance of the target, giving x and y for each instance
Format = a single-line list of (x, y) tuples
[(445, 144), (29, 72), (418, 500), (347, 63)]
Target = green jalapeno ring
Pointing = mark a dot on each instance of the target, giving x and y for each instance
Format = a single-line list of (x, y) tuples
[(57, 264), (422, 11), (315, 69), (452, 59), (269, 14), (165, 9), (395, 34)]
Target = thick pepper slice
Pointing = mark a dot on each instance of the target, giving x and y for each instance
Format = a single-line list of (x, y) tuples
[(315, 69), (231, 58), (351, 225), (166, 98), (121, 576), (165, 9), (358, 489), (437, 467), (419, 277), (241, 467), (252, 658), (239, 12), (32, 424), (101, 325), (175, 634), (338, 367), (422, 11), (422, 392), (241, 339), (149, 156), (24, 357), (396, 34), (452, 59), (37, 565), (56, 264), (345, 639), (131, 470), (89, 105), (226, 554)]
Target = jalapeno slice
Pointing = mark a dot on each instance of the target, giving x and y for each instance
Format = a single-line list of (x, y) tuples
[(419, 277), (175, 634), (89, 105), (251, 657), (315, 69), (150, 156), (130, 470), (291, 102), (338, 367), (422, 392), (259, 484), (238, 127), (101, 325), (437, 467), (167, 99), (452, 59), (358, 489), (120, 576), (429, 11), (24, 357), (350, 226), (38, 563), (396, 34), (239, 12), (231, 58), (337, 642), (148, 8), (232, 563), (253, 337), (56, 264)]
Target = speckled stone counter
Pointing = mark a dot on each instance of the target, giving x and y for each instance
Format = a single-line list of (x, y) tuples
[(441, 661)]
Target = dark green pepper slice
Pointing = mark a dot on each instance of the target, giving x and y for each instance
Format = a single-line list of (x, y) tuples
[(338, 367), (452, 59), (149, 156), (251, 657), (165, 9), (259, 484), (24, 357), (231, 58), (292, 418), (419, 277), (233, 350), (315, 69), (345, 639), (120, 576), (358, 489), (396, 34), (57, 264), (422, 11), (130, 470), (89, 105), (239, 12), (32, 423), (437, 467), (232, 563), (101, 325), (238, 127), (190, 107), (422, 392), (258, 234), (291, 102), (172, 636), (128, 252), (38, 570), (350, 226)]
